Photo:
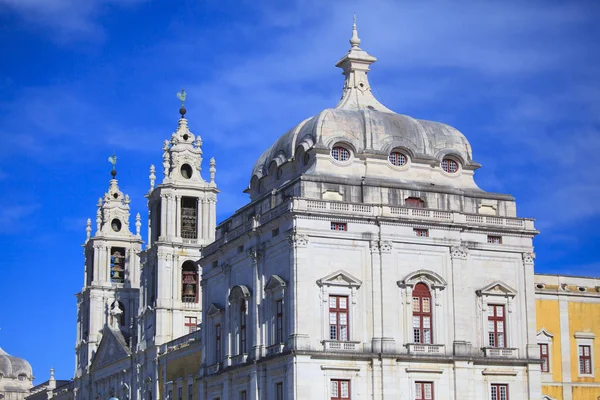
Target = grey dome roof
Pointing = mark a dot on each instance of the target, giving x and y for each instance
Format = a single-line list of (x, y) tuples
[(365, 124), (12, 367)]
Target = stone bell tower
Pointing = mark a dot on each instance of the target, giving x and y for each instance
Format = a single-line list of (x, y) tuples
[(182, 219), (112, 274)]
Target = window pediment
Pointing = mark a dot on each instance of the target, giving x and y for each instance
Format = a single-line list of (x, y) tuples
[(544, 334), (497, 288), (214, 310), (429, 278), (340, 278), (275, 283), (238, 293)]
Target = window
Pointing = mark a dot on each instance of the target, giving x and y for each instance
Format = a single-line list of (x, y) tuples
[(338, 318), (180, 394), (189, 217), (414, 202), (275, 232), (449, 165), (117, 264), (496, 326), (499, 391), (240, 249), (544, 357), (423, 390), (339, 226), (243, 395), (218, 342), (585, 360), (170, 395), (190, 392), (189, 283), (340, 153), (421, 306), (242, 327), (421, 232), (191, 324), (279, 391), (279, 322), (340, 389), (494, 239), (397, 159)]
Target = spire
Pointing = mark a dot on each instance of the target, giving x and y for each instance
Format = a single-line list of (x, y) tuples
[(113, 160), (357, 91)]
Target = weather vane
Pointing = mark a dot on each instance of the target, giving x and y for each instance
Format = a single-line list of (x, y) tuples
[(181, 96), (113, 160)]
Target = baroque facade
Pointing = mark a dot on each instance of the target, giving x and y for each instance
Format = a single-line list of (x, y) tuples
[(367, 264)]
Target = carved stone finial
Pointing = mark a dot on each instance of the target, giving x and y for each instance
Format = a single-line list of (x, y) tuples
[(88, 229), (98, 219), (354, 40), (127, 199), (113, 160), (152, 176), (166, 158), (212, 169), (181, 96), (138, 224)]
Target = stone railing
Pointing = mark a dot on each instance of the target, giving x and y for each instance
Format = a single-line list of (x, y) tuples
[(239, 359), (501, 352), (182, 341), (418, 348), (339, 345), (275, 349)]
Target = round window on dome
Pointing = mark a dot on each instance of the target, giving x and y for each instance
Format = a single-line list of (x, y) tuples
[(397, 159), (340, 153), (115, 225), (449, 165)]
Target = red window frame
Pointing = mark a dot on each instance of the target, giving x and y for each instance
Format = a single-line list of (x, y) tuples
[(414, 202), (337, 386), (279, 391), (421, 232), (421, 392), (449, 165), (339, 324), (340, 153), (218, 342), (493, 239), (498, 391), (279, 322), (243, 327), (191, 324), (339, 226), (422, 315), (545, 357), (397, 159), (585, 359), (497, 326)]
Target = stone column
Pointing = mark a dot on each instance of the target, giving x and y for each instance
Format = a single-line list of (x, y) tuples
[(462, 323), (255, 350), (298, 256)]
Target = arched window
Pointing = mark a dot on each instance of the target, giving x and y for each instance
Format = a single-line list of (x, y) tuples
[(242, 327), (117, 264), (422, 321), (189, 282), (414, 202)]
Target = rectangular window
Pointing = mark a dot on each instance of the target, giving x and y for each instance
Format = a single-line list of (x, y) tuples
[(218, 343), (189, 217), (496, 326), (240, 249), (340, 389), (191, 324), (180, 393), (279, 391), (190, 392), (421, 232), (117, 264), (494, 239), (585, 359), (338, 318), (499, 391), (423, 390), (279, 322), (275, 232), (544, 357), (243, 395), (339, 226), (421, 305), (170, 395), (243, 328)]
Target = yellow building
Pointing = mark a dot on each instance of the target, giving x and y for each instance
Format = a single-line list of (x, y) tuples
[(568, 323), (179, 361)]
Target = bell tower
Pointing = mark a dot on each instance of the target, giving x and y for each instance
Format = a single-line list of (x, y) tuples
[(112, 274), (182, 219)]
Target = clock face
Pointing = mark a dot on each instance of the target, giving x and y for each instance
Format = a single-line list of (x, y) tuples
[(186, 171), (115, 225)]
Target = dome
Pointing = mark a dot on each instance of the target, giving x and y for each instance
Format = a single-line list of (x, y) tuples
[(13, 367), (365, 125)]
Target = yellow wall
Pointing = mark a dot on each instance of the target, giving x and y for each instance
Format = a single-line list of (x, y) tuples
[(585, 393), (556, 392), (584, 317), (548, 317)]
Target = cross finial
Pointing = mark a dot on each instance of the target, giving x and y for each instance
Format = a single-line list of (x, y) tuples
[(354, 40), (113, 160), (181, 96)]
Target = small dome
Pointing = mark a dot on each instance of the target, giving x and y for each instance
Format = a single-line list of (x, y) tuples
[(13, 367)]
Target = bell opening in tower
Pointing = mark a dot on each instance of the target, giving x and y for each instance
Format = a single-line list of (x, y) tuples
[(189, 217), (189, 283), (117, 264)]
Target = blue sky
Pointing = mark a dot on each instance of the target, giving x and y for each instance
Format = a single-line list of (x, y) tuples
[(81, 79)]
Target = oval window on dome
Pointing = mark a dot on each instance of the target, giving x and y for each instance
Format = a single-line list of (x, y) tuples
[(397, 159), (186, 171), (115, 225), (340, 153), (449, 165)]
